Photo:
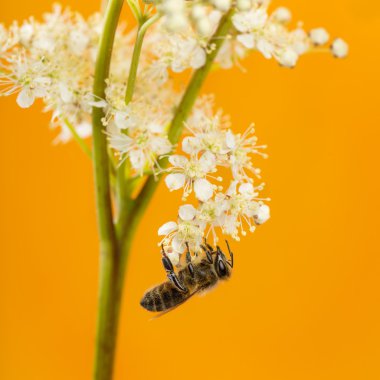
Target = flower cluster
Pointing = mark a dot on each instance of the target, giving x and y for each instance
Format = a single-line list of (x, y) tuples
[(212, 147), (255, 29), (268, 34), (54, 60)]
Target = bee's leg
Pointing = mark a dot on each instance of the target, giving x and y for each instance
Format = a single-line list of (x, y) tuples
[(176, 282), (231, 261), (166, 261), (208, 254), (169, 269), (209, 247), (188, 261)]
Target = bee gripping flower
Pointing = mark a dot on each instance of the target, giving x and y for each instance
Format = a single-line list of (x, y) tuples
[(209, 147)]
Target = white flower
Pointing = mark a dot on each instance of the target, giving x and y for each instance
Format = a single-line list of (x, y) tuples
[(26, 32), (282, 15), (262, 214), (203, 189), (319, 36), (339, 48), (198, 12), (78, 41), (243, 5), (222, 5), (287, 58), (187, 212), (167, 228), (241, 149), (188, 53), (67, 95), (246, 22), (175, 181), (189, 174), (32, 91), (141, 147), (243, 207), (125, 119), (176, 235), (25, 98), (247, 40)]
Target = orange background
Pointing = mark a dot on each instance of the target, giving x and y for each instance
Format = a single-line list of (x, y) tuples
[(304, 299)]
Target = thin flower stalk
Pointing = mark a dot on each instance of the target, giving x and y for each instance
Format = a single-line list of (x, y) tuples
[(108, 313)]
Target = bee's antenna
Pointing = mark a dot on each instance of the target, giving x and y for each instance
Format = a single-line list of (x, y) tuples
[(228, 246), (162, 249), (231, 261)]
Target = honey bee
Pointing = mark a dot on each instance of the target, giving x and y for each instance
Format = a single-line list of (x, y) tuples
[(197, 276)]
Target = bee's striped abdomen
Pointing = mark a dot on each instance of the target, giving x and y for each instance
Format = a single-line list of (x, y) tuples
[(162, 297)]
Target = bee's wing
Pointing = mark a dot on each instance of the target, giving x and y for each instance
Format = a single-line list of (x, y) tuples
[(174, 307)]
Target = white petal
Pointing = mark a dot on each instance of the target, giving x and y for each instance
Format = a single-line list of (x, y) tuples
[(207, 162), (175, 181), (246, 40), (155, 128), (288, 58), (246, 188), (198, 58), (137, 159), (319, 36), (122, 120), (265, 48), (178, 244), (187, 212), (25, 98), (229, 225), (262, 215), (167, 228), (98, 103), (177, 67), (339, 48), (230, 140), (203, 189), (282, 15), (26, 33), (66, 94), (173, 256), (240, 23), (160, 145), (232, 188), (119, 141), (84, 129), (78, 42), (190, 145), (178, 160)]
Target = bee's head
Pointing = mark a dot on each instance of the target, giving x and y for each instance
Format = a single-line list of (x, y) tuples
[(223, 267)]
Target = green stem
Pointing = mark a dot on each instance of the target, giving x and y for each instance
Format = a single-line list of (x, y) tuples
[(143, 27), (107, 313), (124, 200), (78, 139), (135, 8)]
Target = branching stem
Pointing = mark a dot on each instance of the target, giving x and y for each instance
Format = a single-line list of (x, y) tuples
[(182, 113), (78, 139), (115, 241)]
